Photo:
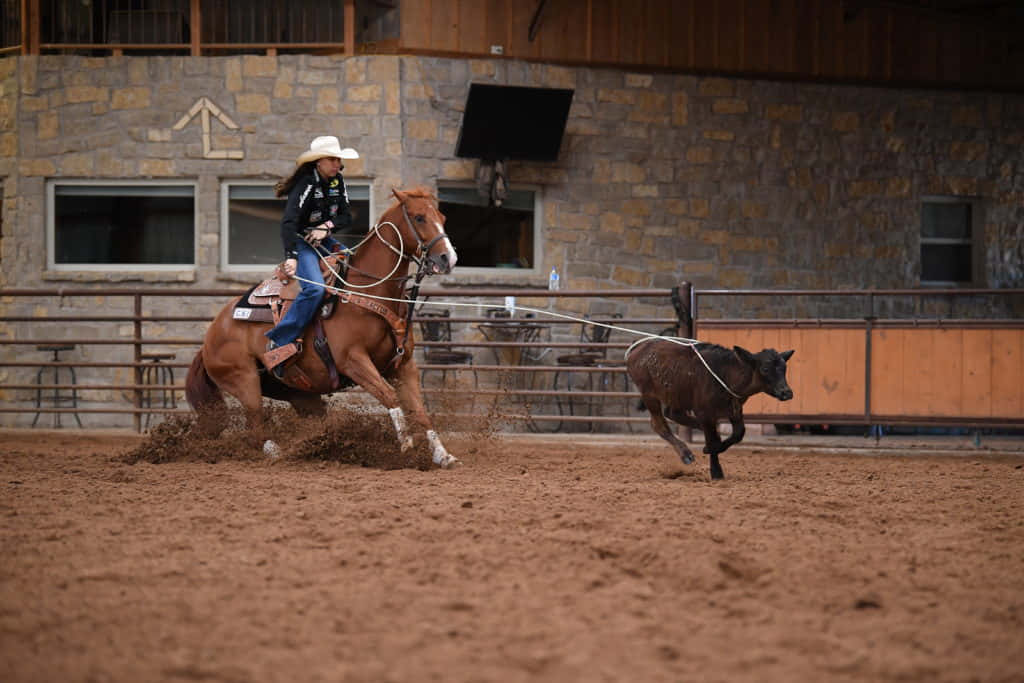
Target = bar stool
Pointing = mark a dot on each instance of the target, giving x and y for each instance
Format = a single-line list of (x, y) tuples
[(59, 396), (157, 374)]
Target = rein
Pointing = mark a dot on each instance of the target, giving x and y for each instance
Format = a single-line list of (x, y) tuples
[(399, 328)]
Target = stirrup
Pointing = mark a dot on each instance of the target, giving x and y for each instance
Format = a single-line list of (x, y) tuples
[(275, 355)]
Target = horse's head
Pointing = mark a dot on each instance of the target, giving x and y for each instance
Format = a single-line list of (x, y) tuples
[(421, 225)]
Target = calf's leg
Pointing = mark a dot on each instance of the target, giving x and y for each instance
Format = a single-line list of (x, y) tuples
[(662, 429), (713, 446), (738, 430)]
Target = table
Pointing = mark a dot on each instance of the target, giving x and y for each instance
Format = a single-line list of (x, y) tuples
[(511, 330)]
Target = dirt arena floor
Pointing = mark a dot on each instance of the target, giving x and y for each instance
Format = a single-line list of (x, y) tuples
[(540, 559)]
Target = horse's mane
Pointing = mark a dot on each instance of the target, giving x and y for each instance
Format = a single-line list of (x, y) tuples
[(416, 193)]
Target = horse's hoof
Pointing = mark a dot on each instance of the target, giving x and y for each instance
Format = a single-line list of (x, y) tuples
[(447, 461), (688, 459), (271, 450)]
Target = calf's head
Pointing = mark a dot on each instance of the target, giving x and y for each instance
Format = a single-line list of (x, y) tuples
[(770, 367)]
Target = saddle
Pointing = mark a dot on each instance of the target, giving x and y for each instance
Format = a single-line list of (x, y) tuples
[(268, 301)]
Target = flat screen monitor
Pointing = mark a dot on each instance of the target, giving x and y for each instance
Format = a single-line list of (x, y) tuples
[(513, 122)]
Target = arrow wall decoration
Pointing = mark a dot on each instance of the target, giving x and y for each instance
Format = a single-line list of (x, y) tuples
[(204, 107)]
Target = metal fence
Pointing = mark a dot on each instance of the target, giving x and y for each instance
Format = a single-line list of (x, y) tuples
[(533, 366)]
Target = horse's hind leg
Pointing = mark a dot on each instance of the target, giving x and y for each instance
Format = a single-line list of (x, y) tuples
[(662, 429)]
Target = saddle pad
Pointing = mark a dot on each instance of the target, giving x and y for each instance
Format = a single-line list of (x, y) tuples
[(254, 308)]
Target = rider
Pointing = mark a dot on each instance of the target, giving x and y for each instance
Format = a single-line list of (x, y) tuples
[(317, 206)]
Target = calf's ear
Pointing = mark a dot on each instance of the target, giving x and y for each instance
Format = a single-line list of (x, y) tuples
[(744, 355), (786, 354)]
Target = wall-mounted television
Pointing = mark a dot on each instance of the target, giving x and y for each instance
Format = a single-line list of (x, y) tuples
[(513, 122)]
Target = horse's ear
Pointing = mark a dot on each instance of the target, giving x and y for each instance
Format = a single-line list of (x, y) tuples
[(744, 355), (399, 195), (786, 354)]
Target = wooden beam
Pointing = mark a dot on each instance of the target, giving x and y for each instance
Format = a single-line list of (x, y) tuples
[(30, 27), (350, 27), (196, 27)]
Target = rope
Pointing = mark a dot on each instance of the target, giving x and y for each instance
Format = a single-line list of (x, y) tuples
[(647, 336)]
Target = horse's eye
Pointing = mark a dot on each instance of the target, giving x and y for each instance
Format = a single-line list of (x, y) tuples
[(420, 218)]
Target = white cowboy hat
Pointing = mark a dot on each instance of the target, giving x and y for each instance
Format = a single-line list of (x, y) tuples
[(325, 146)]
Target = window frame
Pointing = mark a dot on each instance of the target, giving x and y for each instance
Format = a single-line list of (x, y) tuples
[(538, 234), (51, 228), (224, 227), (975, 243)]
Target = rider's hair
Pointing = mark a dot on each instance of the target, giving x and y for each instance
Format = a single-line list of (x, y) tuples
[(285, 185)]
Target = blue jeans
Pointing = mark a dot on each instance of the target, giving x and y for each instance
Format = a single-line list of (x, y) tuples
[(304, 307)]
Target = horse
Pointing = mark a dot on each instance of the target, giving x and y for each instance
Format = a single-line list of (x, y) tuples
[(367, 339), (697, 384)]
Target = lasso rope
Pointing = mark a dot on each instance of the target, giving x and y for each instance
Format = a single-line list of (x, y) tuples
[(682, 341)]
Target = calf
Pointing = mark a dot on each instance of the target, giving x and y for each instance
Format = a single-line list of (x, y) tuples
[(675, 383)]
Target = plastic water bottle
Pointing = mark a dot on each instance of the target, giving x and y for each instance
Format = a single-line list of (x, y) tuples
[(553, 281)]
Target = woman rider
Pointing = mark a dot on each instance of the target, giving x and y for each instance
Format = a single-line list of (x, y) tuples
[(317, 207)]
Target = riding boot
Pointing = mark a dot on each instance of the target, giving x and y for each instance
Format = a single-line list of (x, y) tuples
[(275, 356)]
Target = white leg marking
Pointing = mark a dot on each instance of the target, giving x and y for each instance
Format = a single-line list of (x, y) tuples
[(398, 419), (271, 449), (441, 455)]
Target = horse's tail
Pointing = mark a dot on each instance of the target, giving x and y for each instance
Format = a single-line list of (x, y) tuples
[(199, 388)]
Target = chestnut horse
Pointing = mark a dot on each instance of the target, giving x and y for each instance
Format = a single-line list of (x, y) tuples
[(365, 346)]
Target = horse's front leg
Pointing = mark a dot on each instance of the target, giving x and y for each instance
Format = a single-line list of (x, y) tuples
[(410, 396)]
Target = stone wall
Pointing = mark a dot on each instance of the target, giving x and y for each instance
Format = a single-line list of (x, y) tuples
[(725, 183)]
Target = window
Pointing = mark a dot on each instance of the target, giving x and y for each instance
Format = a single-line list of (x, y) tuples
[(134, 226), (252, 223), (949, 227), (492, 237)]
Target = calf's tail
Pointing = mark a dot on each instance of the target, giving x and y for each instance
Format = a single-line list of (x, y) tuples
[(199, 388)]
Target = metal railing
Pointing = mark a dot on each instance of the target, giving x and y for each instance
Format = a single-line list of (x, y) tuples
[(512, 382), (525, 390), (193, 27)]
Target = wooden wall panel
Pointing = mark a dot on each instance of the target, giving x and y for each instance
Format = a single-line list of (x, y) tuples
[(971, 373), (976, 376), (873, 42), (472, 27), (681, 34), (826, 373), (604, 42), (730, 28), (1007, 373)]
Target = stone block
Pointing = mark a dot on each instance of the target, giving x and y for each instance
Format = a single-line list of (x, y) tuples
[(364, 93), (157, 167), (788, 113), (700, 155), (968, 116), (730, 105), (47, 126), (719, 135), (37, 167), (85, 93), (845, 122), (259, 65), (680, 109), (422, 129), (252, 103), (716, 87), (131, 98), (233, 74), (968, 151)]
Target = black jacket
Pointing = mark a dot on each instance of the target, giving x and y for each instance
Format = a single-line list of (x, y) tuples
[(313, 201)]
